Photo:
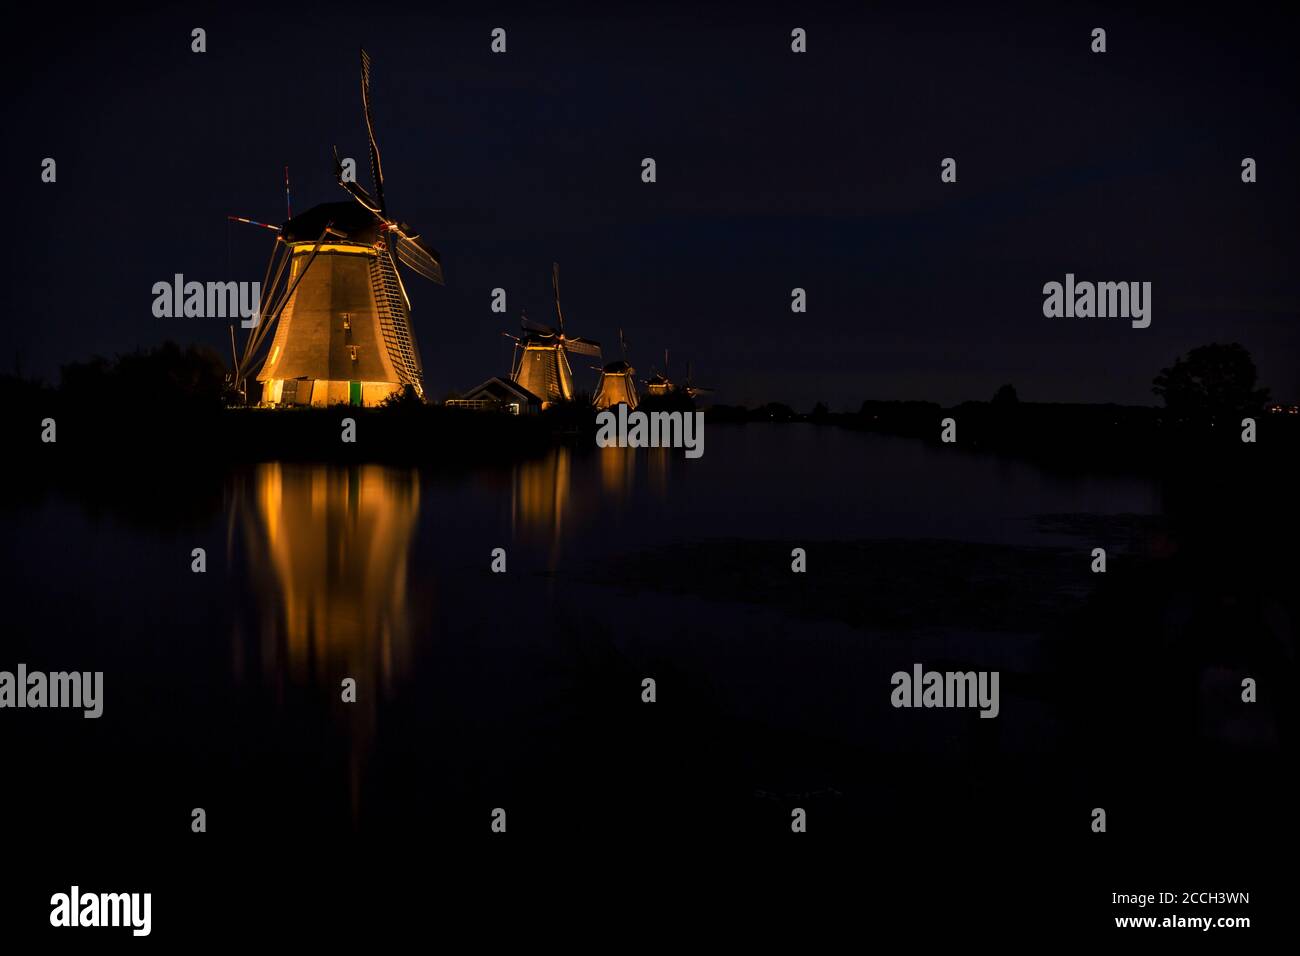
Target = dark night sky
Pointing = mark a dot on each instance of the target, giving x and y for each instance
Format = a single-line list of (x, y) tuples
[(775, 170)]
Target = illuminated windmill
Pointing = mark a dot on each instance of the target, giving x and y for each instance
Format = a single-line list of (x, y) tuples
[(659, 384), (335, 298), (542, 355), (617, 387)]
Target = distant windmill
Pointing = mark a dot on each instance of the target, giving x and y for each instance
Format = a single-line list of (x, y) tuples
[(617, 387), (659, 384), (542, 355), (689, 387), (336, 299)]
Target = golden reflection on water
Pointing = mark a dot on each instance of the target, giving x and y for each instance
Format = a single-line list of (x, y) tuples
[(554, 496), (328, 550), (617, 471), (540, 500), (332, 543), (658, 461)]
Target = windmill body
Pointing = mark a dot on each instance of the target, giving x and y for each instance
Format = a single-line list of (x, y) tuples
[(344, 335), (658, 385), (542, 367), (337, 304), (617, 385)]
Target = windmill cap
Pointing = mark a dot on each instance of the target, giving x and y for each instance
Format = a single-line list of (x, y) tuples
[(351, 219)]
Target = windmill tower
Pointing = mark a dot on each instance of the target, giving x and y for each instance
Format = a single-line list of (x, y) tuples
[(541, 362), (336, 300), (617, 387)]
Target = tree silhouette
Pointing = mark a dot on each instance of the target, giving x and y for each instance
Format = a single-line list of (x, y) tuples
[(1213, 380), (1006, 395), (165, 377)]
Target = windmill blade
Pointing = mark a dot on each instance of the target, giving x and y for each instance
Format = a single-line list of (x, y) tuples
[(258, 334), (354, 189), (531, 326), (361, 196), (376, 168), (253, 222), (280, 257), (582, 346), (417, 256), (555, 284)]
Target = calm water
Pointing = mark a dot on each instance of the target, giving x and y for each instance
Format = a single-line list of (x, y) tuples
[(519, 689)]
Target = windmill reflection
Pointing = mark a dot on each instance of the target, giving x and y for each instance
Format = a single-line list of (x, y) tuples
[(329, 545), (541, 500), (328, 549), (617, 471), (563, 493), (658, 461)]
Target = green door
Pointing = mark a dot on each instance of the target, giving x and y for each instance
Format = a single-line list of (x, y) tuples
[(354, 393)]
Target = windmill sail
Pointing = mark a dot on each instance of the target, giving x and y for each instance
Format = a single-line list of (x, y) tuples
[(419, 258), (582, 347), (376, 168)]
